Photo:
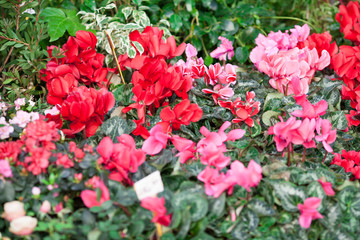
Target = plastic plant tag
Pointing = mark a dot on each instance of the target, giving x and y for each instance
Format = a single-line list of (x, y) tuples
[(149, 186)]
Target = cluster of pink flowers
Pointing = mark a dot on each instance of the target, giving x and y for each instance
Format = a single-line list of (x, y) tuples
[(349, 160), (302, 132), (210, 150), (278, 56), (157, 206), (84, 107), (120, 158)]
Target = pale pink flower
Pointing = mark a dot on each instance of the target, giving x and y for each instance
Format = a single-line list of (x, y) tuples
[(326, 135), (157, 140), (6, 130), (13, 210), (327, 187), (220, 92), (19, 102), (53, 111), (21, 119), (190, 51), (301, 33), (23, 226), (5, 169), (45, 207), (309, 211), (36, 191), (225, 50)]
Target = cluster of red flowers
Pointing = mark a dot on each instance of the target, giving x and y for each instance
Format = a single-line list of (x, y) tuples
[(243, 110), (350, 161), (38, 145), (120, 158), (346, 62), (84, 107), (320, 41), (154, 81), (182, 113)]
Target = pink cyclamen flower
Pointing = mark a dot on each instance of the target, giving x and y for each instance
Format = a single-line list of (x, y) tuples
[(309, 110), (305, 133), (225, 50), (156, 142), (157, 207), (215, 182), (309, 211), (89, 197), (283, 132), (327, 187), (326, 135), (245, 177), (220, 92), (5, 169)]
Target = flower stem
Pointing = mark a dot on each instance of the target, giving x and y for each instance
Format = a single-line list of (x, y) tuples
[(292, 18), (304, 153), (288, 158), (324, 157), (114, 55)]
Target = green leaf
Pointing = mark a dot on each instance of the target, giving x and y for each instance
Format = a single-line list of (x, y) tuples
[(138, 46), (116, 126), (61, 21), (217, 205), (289, 194), (228, 25), (127, 11), (242, 54), (256, 129), (270, 96), (176, 22), (197, 204), (339, 120), (269, 116), (240, 232), (261, 207)]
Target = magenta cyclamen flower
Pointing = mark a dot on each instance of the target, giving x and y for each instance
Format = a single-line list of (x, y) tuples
[(310, 110), (225, 50), (327, 136), (327, 186), (309, 211), (157, 140)]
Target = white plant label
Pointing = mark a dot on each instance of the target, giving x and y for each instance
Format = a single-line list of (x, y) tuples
[(149, 186)]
